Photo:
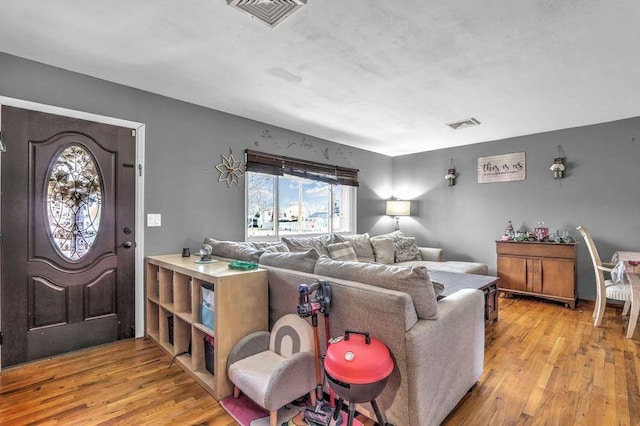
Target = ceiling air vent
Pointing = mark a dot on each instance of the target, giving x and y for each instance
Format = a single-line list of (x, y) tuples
[(271, 12), (463, 124)]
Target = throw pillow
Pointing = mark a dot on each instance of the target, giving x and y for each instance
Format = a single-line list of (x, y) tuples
[(342, 251), (362, 246), (383, 249), (405, 249), (298, 261), (305, 243), (394, 235), (280, 248), (269, 245), (413, 280), (233, 250)]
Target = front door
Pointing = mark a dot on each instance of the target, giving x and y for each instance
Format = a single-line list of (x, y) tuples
[(67, 222)]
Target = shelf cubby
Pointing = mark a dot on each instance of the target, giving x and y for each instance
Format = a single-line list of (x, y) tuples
[(173, 291)]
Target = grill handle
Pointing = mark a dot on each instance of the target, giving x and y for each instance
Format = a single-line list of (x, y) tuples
[(367, 338), (338, 382)]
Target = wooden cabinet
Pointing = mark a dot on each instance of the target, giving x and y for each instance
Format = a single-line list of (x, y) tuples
[(173, 300), (545, 270)]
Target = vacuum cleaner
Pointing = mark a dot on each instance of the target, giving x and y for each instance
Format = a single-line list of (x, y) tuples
[(314, 299)]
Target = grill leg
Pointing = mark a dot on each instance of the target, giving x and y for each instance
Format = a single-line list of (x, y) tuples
[(352, 413), (336, 411), (379, 418)]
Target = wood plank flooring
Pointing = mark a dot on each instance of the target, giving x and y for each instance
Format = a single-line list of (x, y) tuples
[(544, 364)]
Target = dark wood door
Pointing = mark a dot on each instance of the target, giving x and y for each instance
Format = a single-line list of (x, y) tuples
[(68, 249)]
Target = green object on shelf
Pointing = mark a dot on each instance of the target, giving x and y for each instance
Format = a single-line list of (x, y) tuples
[(242, 265)]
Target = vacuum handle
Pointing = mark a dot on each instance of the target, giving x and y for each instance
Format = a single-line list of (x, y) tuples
[(367, 338)]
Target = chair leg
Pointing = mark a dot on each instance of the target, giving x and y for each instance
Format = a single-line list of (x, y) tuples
[(236, 391), (633, 319), (596, 308), (600, 313), (273, 418), (625, 310)]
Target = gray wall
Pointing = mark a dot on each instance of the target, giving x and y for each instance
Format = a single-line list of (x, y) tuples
[(601, 191), (184, 143)]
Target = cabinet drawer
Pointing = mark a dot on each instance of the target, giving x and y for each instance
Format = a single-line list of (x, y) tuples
[(561, 251)]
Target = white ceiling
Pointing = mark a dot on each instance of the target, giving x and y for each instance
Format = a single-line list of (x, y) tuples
[(382, 75)]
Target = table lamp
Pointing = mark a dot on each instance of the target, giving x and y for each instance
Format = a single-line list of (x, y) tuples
[(397, 208)]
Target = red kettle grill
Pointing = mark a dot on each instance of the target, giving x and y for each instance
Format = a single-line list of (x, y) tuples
[(357, 367)]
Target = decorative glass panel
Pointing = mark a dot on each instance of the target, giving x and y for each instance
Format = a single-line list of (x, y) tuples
[(74, 202)]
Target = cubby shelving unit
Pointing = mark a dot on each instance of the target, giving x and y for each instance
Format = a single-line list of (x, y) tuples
[(173, 291)]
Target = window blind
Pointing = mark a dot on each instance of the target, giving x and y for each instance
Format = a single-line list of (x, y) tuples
[(279, 165)]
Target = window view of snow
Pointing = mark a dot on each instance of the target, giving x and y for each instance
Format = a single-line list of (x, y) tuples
[(286, 205)]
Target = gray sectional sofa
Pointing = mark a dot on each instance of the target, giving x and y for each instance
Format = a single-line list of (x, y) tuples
[(437, 345)]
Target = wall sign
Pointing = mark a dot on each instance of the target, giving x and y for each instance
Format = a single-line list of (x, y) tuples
[(502, 168)]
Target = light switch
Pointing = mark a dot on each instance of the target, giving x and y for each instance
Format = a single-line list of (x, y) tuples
[(154, 219)]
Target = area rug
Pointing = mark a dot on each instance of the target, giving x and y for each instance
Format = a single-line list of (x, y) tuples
[(248, 413)]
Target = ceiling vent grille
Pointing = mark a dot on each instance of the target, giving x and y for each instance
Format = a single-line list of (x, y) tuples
[(271, 12), (463, 124)]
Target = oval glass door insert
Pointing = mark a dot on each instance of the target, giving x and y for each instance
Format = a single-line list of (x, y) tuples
[(74, 202)]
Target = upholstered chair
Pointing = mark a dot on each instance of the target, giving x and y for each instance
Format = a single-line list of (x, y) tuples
[(275, 368)]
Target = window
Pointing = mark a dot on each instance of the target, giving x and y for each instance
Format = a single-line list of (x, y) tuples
[(74, 200), (292, 197)]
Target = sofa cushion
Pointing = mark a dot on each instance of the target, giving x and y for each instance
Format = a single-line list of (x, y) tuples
[(383, 249), (362, 246), (414, 281), (233, 250), (305, 243), (450, 266), (298, 261), (406, 249), (342, 251), (269, 245)]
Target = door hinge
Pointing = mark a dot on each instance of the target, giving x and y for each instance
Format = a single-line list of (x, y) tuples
[(139, 169), (133, 132), (1, 338)]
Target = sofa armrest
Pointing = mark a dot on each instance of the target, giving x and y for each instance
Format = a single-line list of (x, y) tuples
[(449, 352), (432, 253)]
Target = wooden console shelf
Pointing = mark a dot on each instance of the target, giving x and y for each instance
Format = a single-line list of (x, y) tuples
[(546, 270), (173, 321)]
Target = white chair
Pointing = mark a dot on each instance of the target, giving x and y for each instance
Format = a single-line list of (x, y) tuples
[(605, 289), (275, 368)]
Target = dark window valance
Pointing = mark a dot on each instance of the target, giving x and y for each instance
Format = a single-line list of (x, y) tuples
[(279, 165)]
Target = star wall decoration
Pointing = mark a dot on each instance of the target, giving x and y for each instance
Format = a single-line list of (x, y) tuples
[(230, 170)]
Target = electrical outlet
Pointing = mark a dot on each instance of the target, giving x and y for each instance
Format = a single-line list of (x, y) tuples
[(154, 219)]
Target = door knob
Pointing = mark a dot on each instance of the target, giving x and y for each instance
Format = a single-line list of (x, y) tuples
[(127, 244)]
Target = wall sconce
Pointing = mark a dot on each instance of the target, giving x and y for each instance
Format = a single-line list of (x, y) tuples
[(397, 208), (558, 167), (451, 175)]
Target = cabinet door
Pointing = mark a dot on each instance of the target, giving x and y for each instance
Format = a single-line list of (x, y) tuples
[(558, 277), (534, 276), (513, 273)]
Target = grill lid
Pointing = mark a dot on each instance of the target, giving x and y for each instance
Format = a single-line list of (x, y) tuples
[(358, 358)]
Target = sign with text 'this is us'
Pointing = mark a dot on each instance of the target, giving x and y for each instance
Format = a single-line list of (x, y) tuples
[(502, 168)]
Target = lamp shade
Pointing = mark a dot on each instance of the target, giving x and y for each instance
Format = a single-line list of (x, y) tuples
[(398, 208)]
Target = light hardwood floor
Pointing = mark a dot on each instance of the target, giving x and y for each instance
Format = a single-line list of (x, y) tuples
[(544, 364)]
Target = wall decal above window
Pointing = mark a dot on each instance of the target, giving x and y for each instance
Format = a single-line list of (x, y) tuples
[(230, 169)]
